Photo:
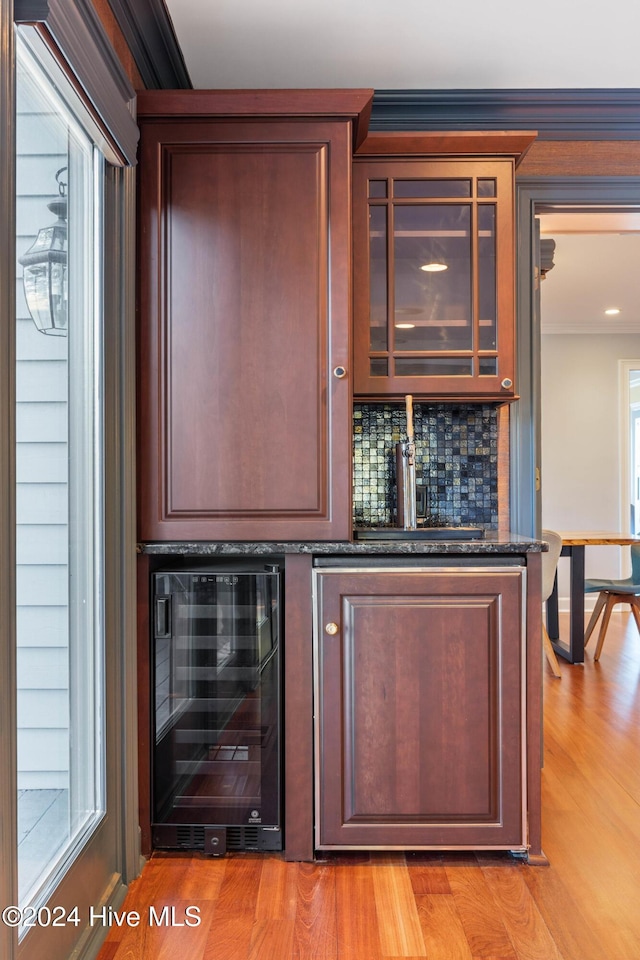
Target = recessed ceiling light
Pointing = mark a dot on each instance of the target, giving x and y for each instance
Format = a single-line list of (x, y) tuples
[(433, 267), (405, 326), (612, 312)]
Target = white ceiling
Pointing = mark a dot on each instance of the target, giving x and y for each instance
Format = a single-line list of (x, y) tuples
[(596, 267), (409, 44)]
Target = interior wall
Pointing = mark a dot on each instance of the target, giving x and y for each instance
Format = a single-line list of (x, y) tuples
[(581, 442)]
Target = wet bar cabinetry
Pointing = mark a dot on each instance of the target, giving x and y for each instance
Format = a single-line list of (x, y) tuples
[(245, 420), (245, 313), (411, 691), (434, 308)]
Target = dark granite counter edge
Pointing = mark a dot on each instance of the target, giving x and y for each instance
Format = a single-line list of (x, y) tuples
[(493, 543)]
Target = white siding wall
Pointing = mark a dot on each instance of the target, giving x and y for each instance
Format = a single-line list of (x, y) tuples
[(42, 494)]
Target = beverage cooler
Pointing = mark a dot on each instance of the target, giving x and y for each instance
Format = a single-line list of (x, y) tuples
[(216, 779)]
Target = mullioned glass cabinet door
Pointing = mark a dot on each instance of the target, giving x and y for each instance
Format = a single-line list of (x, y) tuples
[(434, 278)]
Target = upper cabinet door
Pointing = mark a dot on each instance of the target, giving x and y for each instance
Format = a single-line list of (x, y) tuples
[(434, 278), (245, 380)]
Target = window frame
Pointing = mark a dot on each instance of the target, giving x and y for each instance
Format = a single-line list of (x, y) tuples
[(79, 41)]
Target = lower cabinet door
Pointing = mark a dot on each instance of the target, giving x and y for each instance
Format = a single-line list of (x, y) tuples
[(420, 719)]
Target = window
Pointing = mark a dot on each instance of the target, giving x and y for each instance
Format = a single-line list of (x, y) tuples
[(59, 502)]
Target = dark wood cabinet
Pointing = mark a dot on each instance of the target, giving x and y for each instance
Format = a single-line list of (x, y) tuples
[(434, 311), (421, 729), (245, 313)]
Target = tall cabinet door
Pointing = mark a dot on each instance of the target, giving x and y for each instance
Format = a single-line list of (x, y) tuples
[(420, 681), (245, 421)]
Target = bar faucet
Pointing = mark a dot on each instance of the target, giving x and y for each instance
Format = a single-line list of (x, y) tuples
[(406, 474)]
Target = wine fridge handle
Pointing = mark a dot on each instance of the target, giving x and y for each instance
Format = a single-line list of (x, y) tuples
[(162, 626)]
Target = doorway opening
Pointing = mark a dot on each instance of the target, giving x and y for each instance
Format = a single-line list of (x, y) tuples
[(589, 325), (566, 196)]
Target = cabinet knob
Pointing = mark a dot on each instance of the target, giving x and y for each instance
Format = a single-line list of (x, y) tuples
[(507, 383), (331, 629), (339, 372)]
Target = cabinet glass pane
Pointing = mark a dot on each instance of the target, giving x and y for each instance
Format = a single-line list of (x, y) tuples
[(377, 188), (488, 367), (487, 276), (486, 187), (377, 278), (426, 189), (432, 259), (379, 367), (434, 367)]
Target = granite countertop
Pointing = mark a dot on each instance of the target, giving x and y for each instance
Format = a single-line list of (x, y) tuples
[(493, 542)]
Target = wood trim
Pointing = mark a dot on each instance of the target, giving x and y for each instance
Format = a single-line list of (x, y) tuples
[(472, 143), (126, 241), (557, 114), (119, 41), (144, 704), (208, 104), (149, 32), (534, 706), (298, 709), (582, 158), (79, 44), (503, 417)]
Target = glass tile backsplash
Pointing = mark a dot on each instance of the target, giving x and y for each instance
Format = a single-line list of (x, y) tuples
[(456, 463)]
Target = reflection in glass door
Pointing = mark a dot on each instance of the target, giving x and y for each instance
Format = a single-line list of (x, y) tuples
[(61, 796)]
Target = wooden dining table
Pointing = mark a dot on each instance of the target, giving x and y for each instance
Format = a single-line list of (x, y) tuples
[(573, 546)]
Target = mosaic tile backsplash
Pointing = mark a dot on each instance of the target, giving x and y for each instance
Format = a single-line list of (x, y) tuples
[(456, 463)]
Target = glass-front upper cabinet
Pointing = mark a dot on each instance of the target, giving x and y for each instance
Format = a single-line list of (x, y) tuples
[(434, 278)]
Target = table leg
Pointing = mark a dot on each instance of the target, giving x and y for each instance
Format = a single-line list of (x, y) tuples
[(576, 629), (553, 626), (574, 653)]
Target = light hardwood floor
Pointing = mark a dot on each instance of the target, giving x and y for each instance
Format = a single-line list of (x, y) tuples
[(584, 906)]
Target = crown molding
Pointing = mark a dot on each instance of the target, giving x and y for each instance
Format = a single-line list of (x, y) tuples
[(149, 32), (557, 114)]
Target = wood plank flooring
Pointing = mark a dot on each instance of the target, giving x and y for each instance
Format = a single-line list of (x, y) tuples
[(444, 906)]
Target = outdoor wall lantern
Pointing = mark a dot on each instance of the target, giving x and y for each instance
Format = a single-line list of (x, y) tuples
[(45, 270)]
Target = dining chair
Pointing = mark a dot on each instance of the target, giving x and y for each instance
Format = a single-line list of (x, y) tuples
[(611, 592), (549, 567)]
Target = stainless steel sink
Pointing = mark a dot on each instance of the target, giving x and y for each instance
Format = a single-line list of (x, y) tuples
[(422, 533)]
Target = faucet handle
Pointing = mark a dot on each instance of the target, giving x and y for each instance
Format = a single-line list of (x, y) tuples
[(409, 406)]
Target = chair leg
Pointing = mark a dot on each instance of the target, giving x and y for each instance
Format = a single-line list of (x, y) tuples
[(600, 602), (635, 610), (612, 599), (550, 653)]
